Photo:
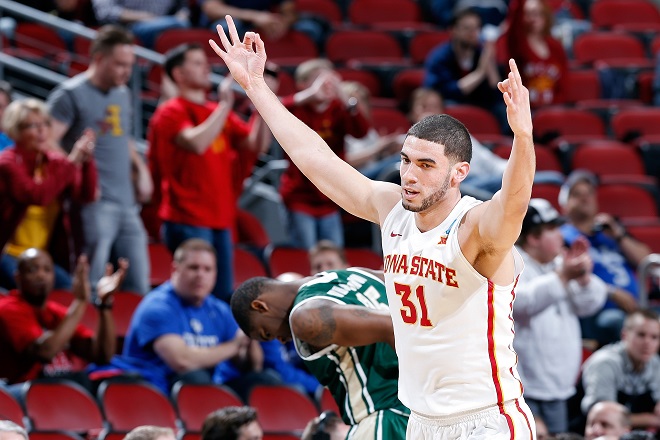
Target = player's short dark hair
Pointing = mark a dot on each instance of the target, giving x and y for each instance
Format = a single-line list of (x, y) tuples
[(448, 131), (242, 298), (176, 56), (226, 423), (108, 37)]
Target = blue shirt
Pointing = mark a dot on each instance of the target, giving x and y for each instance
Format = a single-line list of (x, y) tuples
[(609, 263), (5, 141), (163, 312)]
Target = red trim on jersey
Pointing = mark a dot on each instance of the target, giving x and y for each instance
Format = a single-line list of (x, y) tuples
[(493, 360), (529, 426)]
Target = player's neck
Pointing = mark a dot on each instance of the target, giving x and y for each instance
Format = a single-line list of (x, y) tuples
[(435, 215), (193, 95)]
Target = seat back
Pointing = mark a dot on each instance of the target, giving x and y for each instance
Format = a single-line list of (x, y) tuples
[(649, 234), (364, 258), (322, 9), (476, 119), (582, 85), (125, 304), (608, 160), (283, 259), (195, 402), (605, 14), (607, 46), (161, 263), (626, 201), (422, 43), (638, 121), (246, 266), (172, 38), (389, 120), (129, 405), (552, 122), (62, 406), (282, 409), (10, 409), (376, 12), (342, 46)]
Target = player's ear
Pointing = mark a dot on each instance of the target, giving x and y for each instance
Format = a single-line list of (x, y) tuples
[(460, 171), (259, 306)]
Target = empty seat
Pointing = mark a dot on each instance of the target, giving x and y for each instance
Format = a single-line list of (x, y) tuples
[(389, 120), (608, 160), (250, 231), (283, 259), (161, 263), (552, 122), (546, 160), (246, 266), (195, 402), (91, 317), (547, 191), (404, 84), (10, 409), (62, 406), (379, 12), (478, 121), (172, 38), (626, 201), (581, 85), (422, 43), (326, 10), (125, 304), (364, 258), (610, 13), (633, 122), (292, 49), (649, 234), (39, 41), (282, 409), (368, 79), (365, 45), (129, 405), (616, 49)]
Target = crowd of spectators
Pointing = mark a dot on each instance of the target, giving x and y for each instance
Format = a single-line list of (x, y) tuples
[(73, 184)]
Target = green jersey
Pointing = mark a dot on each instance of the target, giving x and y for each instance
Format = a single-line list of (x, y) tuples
[(363, 380)]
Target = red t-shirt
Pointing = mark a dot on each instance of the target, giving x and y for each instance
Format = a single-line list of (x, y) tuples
[(20, 325), (196, 189), (333, 124), (543, 77)]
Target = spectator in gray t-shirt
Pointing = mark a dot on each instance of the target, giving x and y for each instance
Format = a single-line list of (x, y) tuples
[(99, 99)]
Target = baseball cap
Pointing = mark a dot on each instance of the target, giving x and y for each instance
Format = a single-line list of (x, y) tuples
[(540, 212), (575, 177)]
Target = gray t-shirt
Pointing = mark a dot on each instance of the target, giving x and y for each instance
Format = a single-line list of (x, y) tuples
[(80, 105)]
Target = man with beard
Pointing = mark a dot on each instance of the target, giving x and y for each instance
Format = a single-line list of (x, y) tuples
[(38, 337), (449, 262)]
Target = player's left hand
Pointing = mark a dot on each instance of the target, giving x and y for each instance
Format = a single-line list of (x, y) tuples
[(516, 98)]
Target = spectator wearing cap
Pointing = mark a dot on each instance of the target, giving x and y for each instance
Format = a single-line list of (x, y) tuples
[(614, 252), (556, 287)]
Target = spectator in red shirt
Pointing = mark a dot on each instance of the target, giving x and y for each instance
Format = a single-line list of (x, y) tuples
[(193, 146), (323, 107), (542, 59), (38, 184), (38, 337)]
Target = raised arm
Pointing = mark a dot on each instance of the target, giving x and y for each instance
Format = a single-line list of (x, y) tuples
[(499, 221), (334, 177), (321, 323)]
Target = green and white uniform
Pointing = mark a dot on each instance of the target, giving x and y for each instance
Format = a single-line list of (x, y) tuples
[(363, 380)]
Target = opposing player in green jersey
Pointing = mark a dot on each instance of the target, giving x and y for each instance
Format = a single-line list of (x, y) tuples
[(341, 327)]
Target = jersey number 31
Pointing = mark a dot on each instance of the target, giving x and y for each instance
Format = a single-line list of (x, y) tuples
[(409, 309)]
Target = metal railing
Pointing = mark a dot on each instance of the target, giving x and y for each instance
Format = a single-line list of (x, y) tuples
[(647, 268)]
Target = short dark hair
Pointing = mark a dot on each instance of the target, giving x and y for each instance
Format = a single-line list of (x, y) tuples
[(226, 423), (459, 14), (448, 131), (108, 37), (191, 245), (242, 298), (176, 56)]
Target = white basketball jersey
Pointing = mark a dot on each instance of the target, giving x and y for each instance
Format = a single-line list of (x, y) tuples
[(453, 327)]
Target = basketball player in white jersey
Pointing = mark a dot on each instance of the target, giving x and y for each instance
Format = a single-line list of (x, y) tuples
[(450, 266)]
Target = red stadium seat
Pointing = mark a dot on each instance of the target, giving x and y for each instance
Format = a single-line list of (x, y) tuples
[(608, 160), (10, 409), (626, 201), (546, 160), (277, 417), (195, 402), (649, 234), (161, 263), (54, 435), (365, 46), (376, 12), (405, 83), (645, 87), (285, 259), (551, 122), (615, 49), (364, 258), (172, 38), (328, 402), (422, 43), (90, 318), (610, 13), (321, 9), (129, 405), (125, 304), (477, 120), (582, 84), (368, 79), (633, 122), (389, 120), (292, 49), (246, 266), (547, 191), (62, 405)]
